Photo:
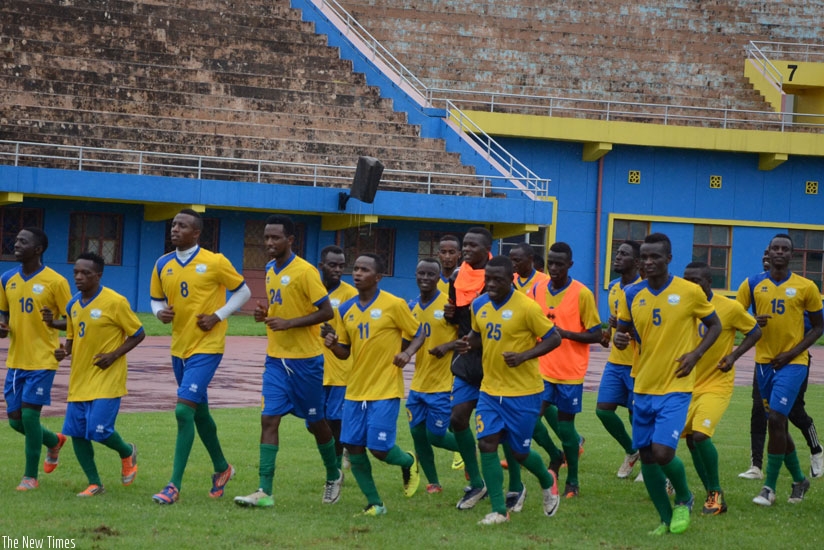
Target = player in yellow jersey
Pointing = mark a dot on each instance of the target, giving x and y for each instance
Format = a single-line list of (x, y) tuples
[(513, 332), (31, 294), (571, 306), (449, 255), (335, 371), (526, 276), (101, 329), (188, 290), (293, 371), (714, 380), (661, 314), (780, 299), (616, 381), (428, 404), (375, 325)]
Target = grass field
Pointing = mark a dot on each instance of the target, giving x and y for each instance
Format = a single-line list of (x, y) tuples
[(610, 513), (239, 325)]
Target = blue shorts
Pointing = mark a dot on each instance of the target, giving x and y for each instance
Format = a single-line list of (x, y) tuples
[(463, 392), (333, 401), (370, 424), (27, 386), (194, 374), (515, 416), (779, 388), (659, 419), (434, 408), (92, 420), (567, 397), (616, 385), (293, 386)]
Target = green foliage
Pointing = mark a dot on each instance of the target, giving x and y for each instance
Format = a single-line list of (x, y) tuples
[(610, 513)]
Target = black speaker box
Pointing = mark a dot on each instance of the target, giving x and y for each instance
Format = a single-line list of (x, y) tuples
[(367, 177)]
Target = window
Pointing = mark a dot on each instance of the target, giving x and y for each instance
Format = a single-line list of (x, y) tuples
[(429, 242), (376, 240), (625, 230), (12, 220), (711, 244), (99, 233), (807, 254), (209, 235), (254, 249)]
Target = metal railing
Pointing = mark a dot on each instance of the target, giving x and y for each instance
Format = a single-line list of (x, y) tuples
[(72, 157), (769, 70), (659, 113), (794, 51)]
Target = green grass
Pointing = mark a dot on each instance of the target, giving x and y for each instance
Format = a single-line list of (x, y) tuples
[(239, 325), (610, 513)]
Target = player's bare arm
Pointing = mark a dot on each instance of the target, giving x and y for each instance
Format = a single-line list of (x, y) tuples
[(810, 337), (105, 360), (410, 350), (687, 361), (322, 314), (727, 363), (513, 359)]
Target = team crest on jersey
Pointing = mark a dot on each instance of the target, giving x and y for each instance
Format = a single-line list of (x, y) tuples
[(438, 314), (12, 286), (285, 280), (95, 314), (506, 314), (790, 292), (483, 314), (764, 289), (37, 288), (200, 268), (351, 317), (642, 302), (375, 313), (673, 299), (335, 302), (170, 271)]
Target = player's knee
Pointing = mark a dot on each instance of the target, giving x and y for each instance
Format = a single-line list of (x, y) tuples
[(776, 420), (459, 421), (698, 437), (604, 414), (17, 425), (380, 455)]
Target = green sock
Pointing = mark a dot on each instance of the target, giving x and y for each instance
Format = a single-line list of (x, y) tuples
[(446, 441), (494, 478), (116, 443), (185, 416), (698, 462), (17, 426), (362, 470), (84, 451), (540, 435), (569, 439), (426, 456), (339, 461), (33, 432), (675, 472), (327, 454), (535, 464), (615, 427), (656, 484), (207, 430), (514, 470), (49, 437), (709, 458), (266, 469), (466, 446), (792, 464), (398, 457), (774, 463), (551, 415)]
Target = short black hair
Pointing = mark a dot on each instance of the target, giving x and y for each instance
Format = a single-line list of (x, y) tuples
[(450, 237), (653, 238), (501, 261), (285, 221), (96, 259), (380, 264), (783, 236), (196, 215), (39, 236), (636, 247), (703, 267), (431, 260), (562, 248), (331, 249), (483, 232), (525, 248)]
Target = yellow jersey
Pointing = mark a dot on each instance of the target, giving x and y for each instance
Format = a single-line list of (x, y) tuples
[(432, 374), (335, 371)]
